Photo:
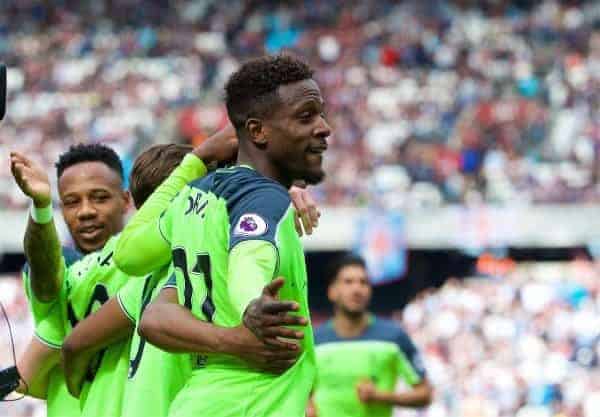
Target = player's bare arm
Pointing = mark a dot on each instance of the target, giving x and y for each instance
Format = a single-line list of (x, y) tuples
[(98, 331), (220, 148), (34, 366), (418, 396), (41, 243), (173, 328)]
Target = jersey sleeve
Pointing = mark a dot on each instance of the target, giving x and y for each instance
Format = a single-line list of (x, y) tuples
[(171, 282), (50, 329), (142, 248), (130, 298), (258, 215), (252, 265), (410, 363), (254, 254)]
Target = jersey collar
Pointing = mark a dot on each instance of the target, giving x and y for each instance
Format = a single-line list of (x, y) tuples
[(371, 318)]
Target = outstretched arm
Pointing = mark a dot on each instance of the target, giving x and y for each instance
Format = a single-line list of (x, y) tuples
[(141, 248), (41, 243)]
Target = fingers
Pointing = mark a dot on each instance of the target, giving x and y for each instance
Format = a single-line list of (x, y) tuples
[(305, 217), (298, 225), (276, 307), (275, 343), (278, 353), (25, 166), (19, 157), (279, 367), (303, 210), (280, 361), (306, 209), (297, 196), (285, 320), (313, 210), (275, 331), (16, 164), (20, 172), (273, 287)]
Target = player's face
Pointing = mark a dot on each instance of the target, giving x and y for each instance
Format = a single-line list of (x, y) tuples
[(351, 290), (297, 132), (93, 204)]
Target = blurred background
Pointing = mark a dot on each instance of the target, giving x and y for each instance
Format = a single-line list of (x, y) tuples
[(464, 162)]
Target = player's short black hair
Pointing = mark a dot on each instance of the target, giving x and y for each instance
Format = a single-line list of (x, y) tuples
[(339, 263), (252, 90), (93, 152)]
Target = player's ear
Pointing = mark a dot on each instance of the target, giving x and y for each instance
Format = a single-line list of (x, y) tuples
[(126, 196), (256, 130), (331, 293)]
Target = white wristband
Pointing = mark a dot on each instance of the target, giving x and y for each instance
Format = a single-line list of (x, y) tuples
[(41, 215)]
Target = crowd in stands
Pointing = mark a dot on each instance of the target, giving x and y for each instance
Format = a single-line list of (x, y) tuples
[(523, 344), (432, 102)]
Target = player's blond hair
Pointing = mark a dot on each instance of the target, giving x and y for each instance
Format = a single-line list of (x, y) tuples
[(152, 167)]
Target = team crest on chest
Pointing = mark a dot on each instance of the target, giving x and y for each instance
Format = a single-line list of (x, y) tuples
[(250, 224)]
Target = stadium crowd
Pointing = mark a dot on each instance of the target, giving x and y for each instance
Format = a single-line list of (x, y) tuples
[(437, 101), (431, 102), (524, 344)]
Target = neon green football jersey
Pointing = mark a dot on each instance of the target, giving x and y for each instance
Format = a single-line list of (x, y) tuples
[(231, 232), (155, 376), (383, 354), (88, 284), (48, 320), (59, 402)]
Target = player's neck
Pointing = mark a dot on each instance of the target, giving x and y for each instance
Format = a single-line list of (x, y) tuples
[(262, 166), (347, 325)]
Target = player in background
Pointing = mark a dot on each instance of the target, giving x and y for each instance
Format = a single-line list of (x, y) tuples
[(120, 315), (93, 205), (230, 233), (379, 352)]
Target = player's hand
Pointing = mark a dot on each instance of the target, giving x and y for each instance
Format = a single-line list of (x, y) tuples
[(367, 392), (311, 410), (267, 316), (257, 353), (31, 179), (220, 147), (307, 212)]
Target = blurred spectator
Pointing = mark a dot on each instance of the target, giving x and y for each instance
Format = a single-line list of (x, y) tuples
[(443, 101)]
